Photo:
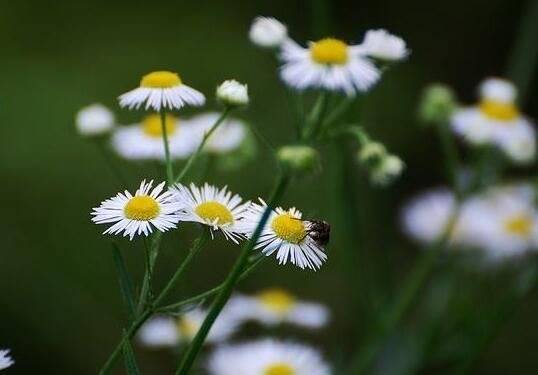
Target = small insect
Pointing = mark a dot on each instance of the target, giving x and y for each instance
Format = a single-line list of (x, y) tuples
[(319, 231)]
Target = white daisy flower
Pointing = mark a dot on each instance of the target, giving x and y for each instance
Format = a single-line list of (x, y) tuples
[(94, 120), (267, 357), (217, 208), (286, 234), (497, 120), (226, 138), (267, 32), (138, 214), (426, 217), (144, 141), (165, 331), (232, 93), (276, 306), (5, 359), (328, 64), (382, 45), (161, 89)]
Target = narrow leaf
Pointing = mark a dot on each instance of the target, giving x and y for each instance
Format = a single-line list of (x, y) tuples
[(125, 281), (130, 359)]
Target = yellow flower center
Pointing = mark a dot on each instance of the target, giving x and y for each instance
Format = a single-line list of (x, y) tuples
[(187, 327), (279, 369), (212, 212), (141, 208), (498, 110), (289, 228), (329, 51), (519, 225), (277, 300), (151, 125), (160, 80)]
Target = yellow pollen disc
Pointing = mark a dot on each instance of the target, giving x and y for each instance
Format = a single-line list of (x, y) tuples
[(277, 300), (212, 211), (289, 228), (187, 327), (519, 225), (152, 125), (329, 51), (498, 110), (279, 369), (160, 80), (142, 208)]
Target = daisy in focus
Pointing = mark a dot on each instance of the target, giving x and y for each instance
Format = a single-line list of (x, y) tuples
[(226, 138), (161, 90), (496, 120), (329, 64), (287, 235), (267, 357), (276, 306), (164, 331), (217, 208), (137, 214), (5, 359), (144, 141), (94, 120)]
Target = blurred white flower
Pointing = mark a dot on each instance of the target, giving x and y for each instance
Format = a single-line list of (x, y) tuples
[(5, 359), (285, 234), (427, 216), (161, 89), (276, 306), (329, 64), (496, 120), (94, 120), (267, 32), (219, 209), (232, 93), (388, 169), (382, 45), (267, 357), (144, 141), (138, 214), (164, 331), (226, 138)]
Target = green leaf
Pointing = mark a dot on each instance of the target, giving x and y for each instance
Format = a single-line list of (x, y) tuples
[(125, 281), (130, 359)]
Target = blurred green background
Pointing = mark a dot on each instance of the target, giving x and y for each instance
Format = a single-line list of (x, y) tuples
[(61, 310)]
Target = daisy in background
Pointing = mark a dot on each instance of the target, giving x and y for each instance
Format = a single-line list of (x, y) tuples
[(5, 359), (138, 214), (217, 208), (94, 120), (226, 138), (165, 331), (276, 306), (144, 141), (496, 120), (161, 89), (267, 357), (382, 45), (286, 234), (267, 32)]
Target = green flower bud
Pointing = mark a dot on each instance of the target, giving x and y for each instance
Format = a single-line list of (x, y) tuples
[(437, 104), (390, 168), (371, 152), (299, 158)]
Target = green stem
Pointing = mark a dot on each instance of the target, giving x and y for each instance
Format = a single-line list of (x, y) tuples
[(110, 160), (168, 160), (315, 118), (148, 267), (451, 157), (146, 285), (198, 151), (151, 308), (335, 115), (230, 281)]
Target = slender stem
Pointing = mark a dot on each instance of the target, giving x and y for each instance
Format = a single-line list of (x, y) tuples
[(146, 286), (110, 160), (198, 151), (148, 266), (151, 308), (230, 281), (168, 160), (315, 118), (336, 114), (450, 156)]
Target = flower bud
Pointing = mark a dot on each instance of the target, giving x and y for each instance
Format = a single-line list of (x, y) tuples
[(437, 104), (94, 120), (232, 93), (388, 170), (299, 158), (371, 152), (267, 32)]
